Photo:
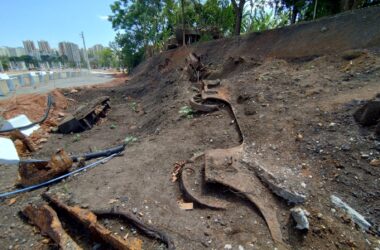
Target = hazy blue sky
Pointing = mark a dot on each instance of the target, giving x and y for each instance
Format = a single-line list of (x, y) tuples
[(55, 21)]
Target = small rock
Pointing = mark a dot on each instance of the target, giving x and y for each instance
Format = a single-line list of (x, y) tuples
[(324, 29), (240, 247), (300, 217), (299, 137), (228, 246), (319, 216), (85, 205), (227, 230), (345, 147), (375, 162), (134, 210), (364, 156)]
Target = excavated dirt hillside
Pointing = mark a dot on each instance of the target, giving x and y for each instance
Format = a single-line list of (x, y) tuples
[(294, 91)]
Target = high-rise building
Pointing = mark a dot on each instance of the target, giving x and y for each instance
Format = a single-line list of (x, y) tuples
[(44, 47), (20, 51), (29, 46), (71, 50), (4, 51)]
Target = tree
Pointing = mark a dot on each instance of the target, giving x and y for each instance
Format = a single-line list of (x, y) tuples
[(106, 57), (238, 11)]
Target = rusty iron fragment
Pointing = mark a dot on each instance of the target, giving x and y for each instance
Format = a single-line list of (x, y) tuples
[(235, 167), (194, 186), (31, 173), (28, 143), (85, 116), (89, 220), (196, 104), (46, 219), (224, 166)]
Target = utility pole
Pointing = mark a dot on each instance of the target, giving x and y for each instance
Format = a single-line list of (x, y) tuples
[(85, 51)]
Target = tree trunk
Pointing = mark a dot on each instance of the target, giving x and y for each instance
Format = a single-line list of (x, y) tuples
[(238, 11), (294, 15), (183, 23), (315, 9)]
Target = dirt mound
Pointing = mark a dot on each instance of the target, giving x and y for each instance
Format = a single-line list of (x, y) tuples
[(33, 105)]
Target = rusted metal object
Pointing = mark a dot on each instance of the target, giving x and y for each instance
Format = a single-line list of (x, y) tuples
[(196, 104), (31, 173), (85, 116), (194, 186), (225, 166), (17, 135), (46, 219), (89, 220)]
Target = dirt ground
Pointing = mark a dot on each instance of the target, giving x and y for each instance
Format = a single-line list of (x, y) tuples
[(297, 111)]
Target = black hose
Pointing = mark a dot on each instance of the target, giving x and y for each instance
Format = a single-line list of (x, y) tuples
[(86, 156), (49, 104), (104, 153)]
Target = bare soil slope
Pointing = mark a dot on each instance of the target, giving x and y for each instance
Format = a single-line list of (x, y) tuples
[(294, 94)]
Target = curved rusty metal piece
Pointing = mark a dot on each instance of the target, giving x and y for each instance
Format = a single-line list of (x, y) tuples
[(198, 106), (225, 166), (193, 185)]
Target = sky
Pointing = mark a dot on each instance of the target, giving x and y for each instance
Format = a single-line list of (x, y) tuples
[(55, 21)]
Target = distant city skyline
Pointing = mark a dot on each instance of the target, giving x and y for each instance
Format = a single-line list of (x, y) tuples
[(55, 21)]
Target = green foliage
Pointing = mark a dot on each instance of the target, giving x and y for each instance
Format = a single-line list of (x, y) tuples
[(4, 62), (130, 139), (133, 106), (144, 26), (76, 138), (106, 57), (186, 111), (263, 20), (205, 37)]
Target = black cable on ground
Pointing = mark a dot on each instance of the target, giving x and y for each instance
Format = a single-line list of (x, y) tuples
[(49, 104), (86, 156)]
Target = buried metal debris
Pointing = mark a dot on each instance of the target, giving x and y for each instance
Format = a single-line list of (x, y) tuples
[(61, 177), (46, 219), (85, 116), (37, 172), (236, 167), (89, 220)]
